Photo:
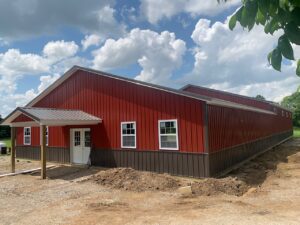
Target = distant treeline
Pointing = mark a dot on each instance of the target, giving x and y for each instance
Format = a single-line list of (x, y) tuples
[(4, 131), (292, 102)]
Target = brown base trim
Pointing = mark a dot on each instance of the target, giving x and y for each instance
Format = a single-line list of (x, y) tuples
[(226, 171), (221, 161), (185, 164), (175, 163), (53, 154)]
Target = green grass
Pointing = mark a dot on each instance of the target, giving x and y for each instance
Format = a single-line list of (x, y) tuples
[(297, 132), (7, 142)]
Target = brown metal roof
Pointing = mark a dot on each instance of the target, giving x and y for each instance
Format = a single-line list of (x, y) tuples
[(51, 117)]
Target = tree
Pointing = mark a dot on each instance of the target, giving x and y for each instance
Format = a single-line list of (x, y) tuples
[(4, 131), (292, 102), (273, 15), (296, 117), (260, 97)]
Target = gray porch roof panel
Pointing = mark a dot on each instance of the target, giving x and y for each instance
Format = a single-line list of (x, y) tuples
[(51, 117)]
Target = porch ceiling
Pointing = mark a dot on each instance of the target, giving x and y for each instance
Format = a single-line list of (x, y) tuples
[(50, 117)]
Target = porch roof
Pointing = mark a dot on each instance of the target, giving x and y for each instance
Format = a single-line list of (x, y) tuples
[(50, 117)]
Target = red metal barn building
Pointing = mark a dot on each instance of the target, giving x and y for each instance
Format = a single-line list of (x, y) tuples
[(107, 120)]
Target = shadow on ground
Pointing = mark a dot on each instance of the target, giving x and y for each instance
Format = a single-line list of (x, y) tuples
[(69, 172)]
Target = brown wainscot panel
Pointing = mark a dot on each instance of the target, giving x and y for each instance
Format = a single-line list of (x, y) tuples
[(54, 154), (175, 163), (227, 158)]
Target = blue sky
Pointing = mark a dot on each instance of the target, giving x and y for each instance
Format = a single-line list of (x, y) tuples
[(170, 43)]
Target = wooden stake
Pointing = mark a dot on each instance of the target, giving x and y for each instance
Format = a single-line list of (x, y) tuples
[(43, 151), (13, 149)]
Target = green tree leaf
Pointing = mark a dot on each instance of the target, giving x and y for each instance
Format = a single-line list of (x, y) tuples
[(285, 47), (274, 25), (264, 7), (273, 7), (239, 13), (267, 27), (284, 4), (260, 18), (232, 22), (244, 17), (269, 57), (298, 68), (251, 7), (295, 2), (276, 59), (295, 15), (293, 32)]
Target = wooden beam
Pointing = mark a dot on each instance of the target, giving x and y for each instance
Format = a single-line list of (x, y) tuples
[(13, 149), (43, 151), (24, 171)]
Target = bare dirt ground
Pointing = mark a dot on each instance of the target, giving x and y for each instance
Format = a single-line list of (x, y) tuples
[(20, 164), (264, 191)]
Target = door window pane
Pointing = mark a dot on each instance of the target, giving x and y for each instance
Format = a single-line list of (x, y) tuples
[(77, 138), (87, 139)]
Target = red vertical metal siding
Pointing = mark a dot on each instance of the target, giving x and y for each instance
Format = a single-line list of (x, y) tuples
[(228, 127), (35, 140), (116, 101), (229, 97), (22, 118)]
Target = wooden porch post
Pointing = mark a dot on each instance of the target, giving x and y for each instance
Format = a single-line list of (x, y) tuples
[(43, 151), (13, 149)]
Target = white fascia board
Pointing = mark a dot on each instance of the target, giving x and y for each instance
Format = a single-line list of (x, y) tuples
[(68, 122)]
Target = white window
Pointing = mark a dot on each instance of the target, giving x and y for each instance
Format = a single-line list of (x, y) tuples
[(168, 134), (47, 136), (128, 135), (27, 135)]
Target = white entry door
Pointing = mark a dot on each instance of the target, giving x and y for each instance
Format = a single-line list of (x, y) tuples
[(80, 145)]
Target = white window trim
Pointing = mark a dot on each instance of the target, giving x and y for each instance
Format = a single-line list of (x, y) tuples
[(26, 136), (131, 147), (159, 135)]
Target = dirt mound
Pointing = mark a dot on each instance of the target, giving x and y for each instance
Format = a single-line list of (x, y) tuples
[(212, 186), (139, 181), (130, 179)]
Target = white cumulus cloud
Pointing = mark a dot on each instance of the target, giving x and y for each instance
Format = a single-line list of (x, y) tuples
[(90, 40), (156, 10), (237, 61), (58, 50), (158, 54), (46, 81), (56, 58), (14, 63)]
